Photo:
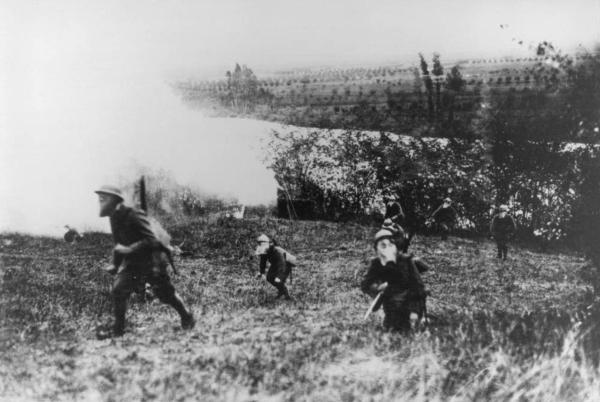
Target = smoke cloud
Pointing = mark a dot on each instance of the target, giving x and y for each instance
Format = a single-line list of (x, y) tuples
[(54, 162)]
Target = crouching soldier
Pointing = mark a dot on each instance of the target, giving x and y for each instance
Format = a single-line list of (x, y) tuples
[(395, 281), (280, 264), (502, 229), (138, 258)]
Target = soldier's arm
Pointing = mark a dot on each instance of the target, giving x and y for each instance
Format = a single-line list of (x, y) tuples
[(400, 213), (117, 259), (371, 281), (421, 265), (435, 213), (262, 264), (493, 225)]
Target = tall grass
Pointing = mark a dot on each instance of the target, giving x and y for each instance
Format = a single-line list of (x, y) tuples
[(500, 331)]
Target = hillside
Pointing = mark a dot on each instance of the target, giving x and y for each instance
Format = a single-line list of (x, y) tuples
[(498, 329)]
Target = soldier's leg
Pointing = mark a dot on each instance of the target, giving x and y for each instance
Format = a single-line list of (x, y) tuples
[(444, 229), (124, 284), (504, 250), (397, 317), (282, 276), (499, 248), (271, 276), (396, 320), (165, 292)]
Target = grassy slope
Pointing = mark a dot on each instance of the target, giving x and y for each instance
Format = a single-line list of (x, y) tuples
[(248, 346)]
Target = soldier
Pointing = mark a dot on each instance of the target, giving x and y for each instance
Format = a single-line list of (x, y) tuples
[(444, 217), (400, 236), (72, 235), (395, 280), (280, 265), (138, 258), (502, 229), (393, 210)]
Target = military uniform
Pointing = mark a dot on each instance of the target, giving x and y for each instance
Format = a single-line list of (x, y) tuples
[(279, 268), (147, 263), (445, 218), (502, 228), (394, 212), (405, 293)]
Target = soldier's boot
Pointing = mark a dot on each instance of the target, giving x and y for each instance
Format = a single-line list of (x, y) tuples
[(120, 309), (283, 291), (188, 322), (187, 318), (286, 294), (117, 329)]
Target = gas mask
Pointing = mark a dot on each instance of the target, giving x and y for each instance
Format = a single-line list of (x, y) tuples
[(108, 204), (262, 248), (386, 251)]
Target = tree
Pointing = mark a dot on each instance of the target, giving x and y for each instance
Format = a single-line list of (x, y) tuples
[(428, 86), (438, 73), (454, 86), (243, 92)]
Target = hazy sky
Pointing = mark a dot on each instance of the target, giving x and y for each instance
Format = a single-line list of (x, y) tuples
[(82, 83)]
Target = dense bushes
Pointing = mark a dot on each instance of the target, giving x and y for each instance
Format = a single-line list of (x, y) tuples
[(346, 174)]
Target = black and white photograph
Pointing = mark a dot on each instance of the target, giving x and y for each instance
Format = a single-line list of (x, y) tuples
[(285, 200)]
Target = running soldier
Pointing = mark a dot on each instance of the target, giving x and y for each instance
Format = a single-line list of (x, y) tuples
[(138, 258), (502, 229), (394, 279), (280, 264)]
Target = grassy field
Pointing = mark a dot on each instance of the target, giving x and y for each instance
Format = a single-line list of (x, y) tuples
[(502, 330)]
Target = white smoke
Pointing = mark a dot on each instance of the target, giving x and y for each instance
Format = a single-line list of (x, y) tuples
[(53, 160)]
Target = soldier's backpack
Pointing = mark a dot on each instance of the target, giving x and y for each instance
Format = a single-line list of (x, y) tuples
[(164, 240), (290, 259)]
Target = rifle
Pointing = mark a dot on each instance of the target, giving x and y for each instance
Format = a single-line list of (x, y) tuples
[(142, 192), (375, 305)]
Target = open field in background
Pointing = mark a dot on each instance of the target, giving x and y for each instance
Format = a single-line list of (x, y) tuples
[(338, 90), (503, 330)]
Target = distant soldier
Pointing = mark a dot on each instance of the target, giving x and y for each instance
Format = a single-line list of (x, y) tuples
[(393, 210), (72, 235), (138, 258), (502, 229), (394, 279), (445, 218), (280, 264)]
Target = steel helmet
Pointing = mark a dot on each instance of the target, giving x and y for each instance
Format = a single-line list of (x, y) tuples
[(263, 239), (110, 190), (504, 208), (383, 234)]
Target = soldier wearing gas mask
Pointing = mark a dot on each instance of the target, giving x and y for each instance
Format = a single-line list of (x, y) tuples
[(395, 280), (280, 264)]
